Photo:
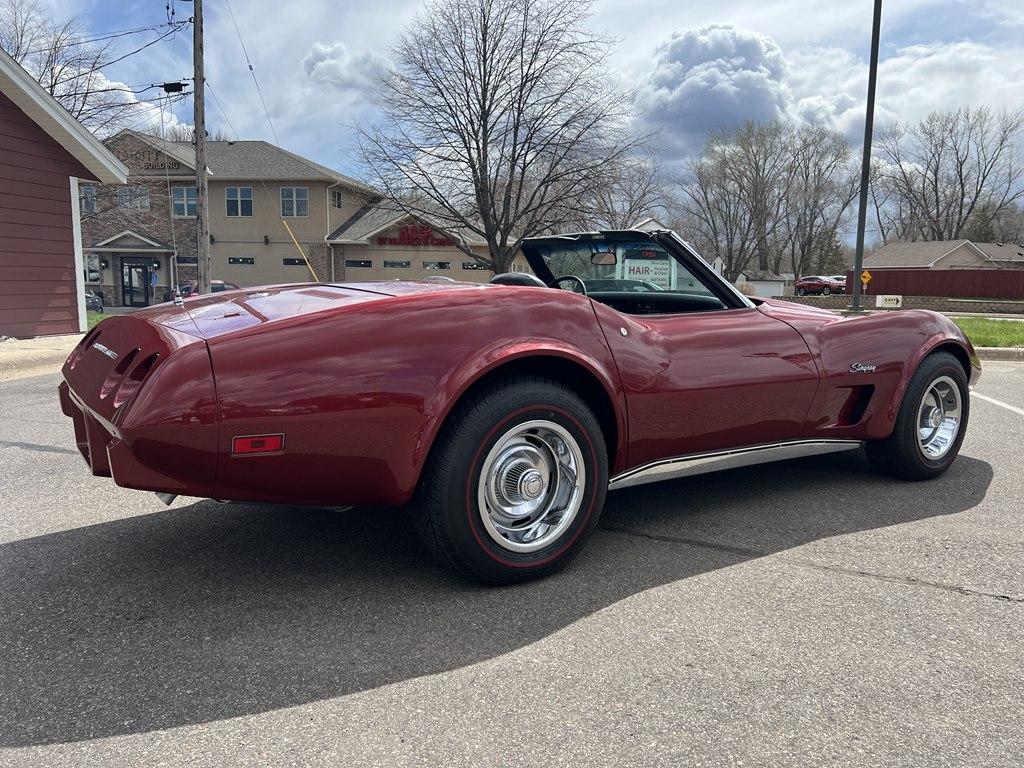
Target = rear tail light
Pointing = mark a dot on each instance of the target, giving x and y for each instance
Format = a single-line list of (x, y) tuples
[(134, 380)]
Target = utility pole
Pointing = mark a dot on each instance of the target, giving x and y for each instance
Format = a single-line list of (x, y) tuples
[(199, 120), (865, 168)]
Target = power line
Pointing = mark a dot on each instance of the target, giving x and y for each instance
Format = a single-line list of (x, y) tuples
[(253, 73), (105, 36), (105, 64)]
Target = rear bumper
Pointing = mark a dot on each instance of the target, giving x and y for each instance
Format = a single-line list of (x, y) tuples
[(143, 406)]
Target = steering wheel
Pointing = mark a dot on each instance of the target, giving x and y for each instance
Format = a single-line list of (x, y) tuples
[(582, 286)]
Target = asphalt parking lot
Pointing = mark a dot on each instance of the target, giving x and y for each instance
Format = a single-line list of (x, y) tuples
[(804, 613)]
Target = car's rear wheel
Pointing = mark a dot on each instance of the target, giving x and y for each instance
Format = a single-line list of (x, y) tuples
[(514, 483), (931, 422), (826, 291), (801, 291)]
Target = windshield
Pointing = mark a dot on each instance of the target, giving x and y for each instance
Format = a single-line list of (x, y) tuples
[(638, 267)]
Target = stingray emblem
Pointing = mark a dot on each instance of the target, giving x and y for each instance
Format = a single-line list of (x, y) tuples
[(105, 350), (862, 368)]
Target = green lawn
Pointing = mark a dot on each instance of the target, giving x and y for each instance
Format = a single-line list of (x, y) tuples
[(92, 318), (988, 332)]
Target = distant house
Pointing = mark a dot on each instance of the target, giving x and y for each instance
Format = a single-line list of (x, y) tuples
[(764, 282), (44, 152), (947, 254)]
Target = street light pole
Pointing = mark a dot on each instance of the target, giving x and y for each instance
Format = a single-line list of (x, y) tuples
[(865, 168)]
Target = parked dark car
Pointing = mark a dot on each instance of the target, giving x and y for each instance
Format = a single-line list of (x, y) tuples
[(191, 287), (93, 302), (815, 284)]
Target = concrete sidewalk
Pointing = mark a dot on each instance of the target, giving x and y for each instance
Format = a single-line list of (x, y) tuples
[(35, 357)]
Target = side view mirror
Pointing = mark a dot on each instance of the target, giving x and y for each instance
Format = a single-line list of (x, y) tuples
[(603, 258)]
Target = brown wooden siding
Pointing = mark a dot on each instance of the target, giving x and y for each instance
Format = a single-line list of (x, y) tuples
[(958, 283), (37, 254)]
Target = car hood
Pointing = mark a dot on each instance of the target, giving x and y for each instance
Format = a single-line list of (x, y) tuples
[(212, 315)]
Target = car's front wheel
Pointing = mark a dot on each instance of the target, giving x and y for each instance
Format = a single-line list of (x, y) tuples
[(930, 424), (826, 291), (801, 291), (514, 483)]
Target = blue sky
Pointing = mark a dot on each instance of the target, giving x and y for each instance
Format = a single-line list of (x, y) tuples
[(693, 65)]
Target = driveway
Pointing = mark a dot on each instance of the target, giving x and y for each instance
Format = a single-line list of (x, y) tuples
[(803, 613)]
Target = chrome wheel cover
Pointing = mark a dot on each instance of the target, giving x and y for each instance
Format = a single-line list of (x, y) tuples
[(531, 486), (938, 418)]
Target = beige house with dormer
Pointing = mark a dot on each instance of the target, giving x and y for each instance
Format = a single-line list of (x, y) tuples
[(275, 217)]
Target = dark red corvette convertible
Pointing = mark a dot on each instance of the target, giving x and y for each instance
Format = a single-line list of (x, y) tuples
[(503, 413)]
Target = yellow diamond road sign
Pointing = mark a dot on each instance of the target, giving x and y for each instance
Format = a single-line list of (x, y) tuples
[(865, 277)]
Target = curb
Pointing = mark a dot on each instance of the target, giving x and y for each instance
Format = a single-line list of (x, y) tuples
[(36, 364), (1000, 353), (35, 357)]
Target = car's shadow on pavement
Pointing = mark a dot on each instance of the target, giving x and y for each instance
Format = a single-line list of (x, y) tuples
[(213, 611)]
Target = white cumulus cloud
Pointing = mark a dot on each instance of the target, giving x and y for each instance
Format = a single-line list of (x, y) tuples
[(710, 78), (333, 65)]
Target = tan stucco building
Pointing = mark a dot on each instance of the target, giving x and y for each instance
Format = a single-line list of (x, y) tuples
[(275, 217)]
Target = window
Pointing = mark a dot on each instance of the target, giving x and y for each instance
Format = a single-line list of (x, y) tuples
[(183, 202), (402, 264), (360, 263), (93, 269), (293, 262), (437, 265), (473, 266), (295, 201), (238, 201), (337, 201), (133, 198), (241, 260), (87, 198)]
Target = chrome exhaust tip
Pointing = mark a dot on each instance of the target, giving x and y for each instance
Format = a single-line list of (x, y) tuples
[(166, 498)]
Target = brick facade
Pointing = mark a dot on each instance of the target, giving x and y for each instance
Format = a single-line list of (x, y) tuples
[(936, 303)]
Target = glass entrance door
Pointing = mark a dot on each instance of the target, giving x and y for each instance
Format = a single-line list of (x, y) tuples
[(134, 284)]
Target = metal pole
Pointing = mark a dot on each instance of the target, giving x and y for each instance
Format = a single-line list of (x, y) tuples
[(199, 120), (865, 168)]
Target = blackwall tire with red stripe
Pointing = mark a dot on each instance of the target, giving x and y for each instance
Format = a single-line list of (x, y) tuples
[(515, 482)]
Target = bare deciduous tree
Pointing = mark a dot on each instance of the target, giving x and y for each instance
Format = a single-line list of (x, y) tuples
[(633, 191), (734, 194), (183, 132), (954, 168), (823, 185), (499, 119), (61, 57)]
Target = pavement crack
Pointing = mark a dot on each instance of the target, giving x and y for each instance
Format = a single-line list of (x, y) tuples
[(905, 580), (745, 552), (37, 447), (727, 548)]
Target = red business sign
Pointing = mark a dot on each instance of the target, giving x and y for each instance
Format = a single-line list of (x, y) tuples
[(416, 235)]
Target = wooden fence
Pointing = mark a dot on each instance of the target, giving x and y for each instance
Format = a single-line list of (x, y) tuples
[(958, 283)]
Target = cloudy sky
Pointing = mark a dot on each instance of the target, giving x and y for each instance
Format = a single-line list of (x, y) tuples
[(694, 65)]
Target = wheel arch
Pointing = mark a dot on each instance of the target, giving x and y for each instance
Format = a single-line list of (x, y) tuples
[(965, 356), (594, 386)]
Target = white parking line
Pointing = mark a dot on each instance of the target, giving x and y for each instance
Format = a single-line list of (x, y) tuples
[(1000, 403)]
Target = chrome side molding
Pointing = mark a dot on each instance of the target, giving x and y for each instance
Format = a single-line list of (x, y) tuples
[(698, 464)]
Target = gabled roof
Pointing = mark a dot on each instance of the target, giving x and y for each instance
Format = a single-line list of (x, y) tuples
[(921, 253), (380, 215), (19, 86), (237, 160), (183, 153), (110, 243), (926, 253), (1011, 252)]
